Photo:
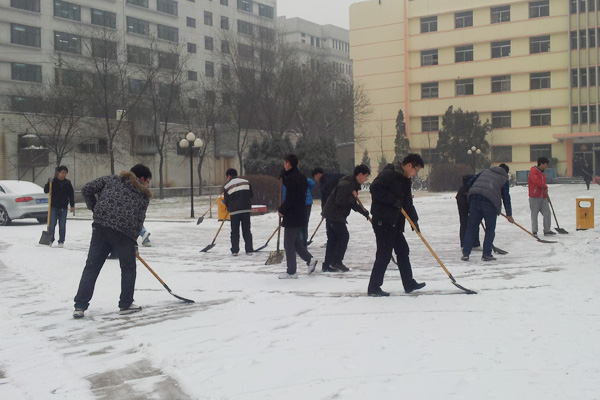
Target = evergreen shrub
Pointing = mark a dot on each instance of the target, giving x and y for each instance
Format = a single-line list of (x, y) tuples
[(265, 190)]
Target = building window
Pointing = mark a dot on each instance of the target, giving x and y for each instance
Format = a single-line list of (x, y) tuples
[(541, 117), (225, 72), (500, 83), (266, 34), (208, 20), (429, 57), (67, 42), (104, 18), (167, 6), (209, 69), (25, 35), (26, 72), (579, 115), (431, 156), (136, 86), (538, 9), (225, 23), (501, 119), (583, 5), (104, 49), (266, 11), (138, 55), (208, 43), (66, 10), (168, 33), (583, 38), (245, 51), (29, 5), (191, 47), (463, 53), (192, 103), (540, 150), (192, 76), (245, 27), (464, 87), (225, 47), (463, 19), (429, 24), (430, 124), (501, 49), (539, 44), (245, 5), (95, 146), (168, 60), (429, 90), (67, 77), (583, 76), (26, 104), (225, 2), (539, 80), (191, 22), (500, 14), (138, 26), (501, 154), (141, 3)]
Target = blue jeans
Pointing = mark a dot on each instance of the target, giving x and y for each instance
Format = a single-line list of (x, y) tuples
[(480, 208), (58, 215), (103, 241)]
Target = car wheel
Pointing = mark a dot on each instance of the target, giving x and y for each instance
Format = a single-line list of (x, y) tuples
[(43, 220), (4, 219)]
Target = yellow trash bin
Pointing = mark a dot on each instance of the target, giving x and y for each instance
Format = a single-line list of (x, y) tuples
[(222, 210), (585, 213)]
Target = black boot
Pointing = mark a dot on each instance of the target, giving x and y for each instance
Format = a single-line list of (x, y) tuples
[(415, 286)]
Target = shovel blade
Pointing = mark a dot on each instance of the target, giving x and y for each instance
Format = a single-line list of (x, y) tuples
[(561, 230), (199, 220), (467, 291), (499, 251), (261, 247), (207, 248), (276, 257), (46, 239)]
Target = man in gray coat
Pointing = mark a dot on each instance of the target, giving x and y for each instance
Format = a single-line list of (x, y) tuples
[(488, 190)]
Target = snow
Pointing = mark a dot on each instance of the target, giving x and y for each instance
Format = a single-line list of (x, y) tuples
[(530, 332)]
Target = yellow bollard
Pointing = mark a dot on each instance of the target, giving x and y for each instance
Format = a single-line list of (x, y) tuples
[(585, 213)]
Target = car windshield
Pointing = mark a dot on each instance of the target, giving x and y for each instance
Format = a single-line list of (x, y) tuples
[(20, 187)]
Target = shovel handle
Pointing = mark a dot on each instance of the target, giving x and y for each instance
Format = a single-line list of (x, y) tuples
[(212, 205), (553, 213), (364, 209), (532, 235)]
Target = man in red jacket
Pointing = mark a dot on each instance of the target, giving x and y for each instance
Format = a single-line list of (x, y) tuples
[(538, 197)]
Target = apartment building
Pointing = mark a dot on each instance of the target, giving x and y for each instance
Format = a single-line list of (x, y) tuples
[(529, 67), (39, 37)]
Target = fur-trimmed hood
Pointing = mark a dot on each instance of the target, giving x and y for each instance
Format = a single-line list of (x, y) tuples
[(135, 182)]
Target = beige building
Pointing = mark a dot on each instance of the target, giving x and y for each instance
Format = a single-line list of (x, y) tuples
[(529, 67)]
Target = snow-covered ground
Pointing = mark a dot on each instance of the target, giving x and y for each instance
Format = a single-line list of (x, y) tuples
[(531, 332)]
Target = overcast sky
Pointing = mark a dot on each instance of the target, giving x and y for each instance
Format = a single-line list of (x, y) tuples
[(334, 12)]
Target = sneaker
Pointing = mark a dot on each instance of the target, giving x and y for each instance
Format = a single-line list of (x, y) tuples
[(340, 267), (378, 293), (311, 265), (145, 237), (545, 234), (329, 269), (488, 258), (235, 254), (78, 313), (465, 258), (133, 308), (415, 286), (61, 245), (285, 275)]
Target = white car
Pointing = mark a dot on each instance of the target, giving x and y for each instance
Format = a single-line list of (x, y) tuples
[(22, 199)]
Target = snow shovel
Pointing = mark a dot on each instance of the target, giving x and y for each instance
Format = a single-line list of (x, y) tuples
[(468, 291), (536, 238), (496, 249), (161, 281), (276, 257), (210, 246), (558, 228), (315, 232), (270, 237), (200, 219), (46, 238)]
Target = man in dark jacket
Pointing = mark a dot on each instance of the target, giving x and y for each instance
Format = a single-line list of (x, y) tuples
[(62, 197), (327, 182), (340, 202), (119, 204), (293, 211), (489, 189), (390, 193), (237, 197)]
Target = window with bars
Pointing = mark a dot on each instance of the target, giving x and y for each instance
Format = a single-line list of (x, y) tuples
[(501, 119), (208, 18), (463, 19), (225, 23), (501, 154), (585, 74), (26, 72), (138, 55), (429, 57), (539, 44), (539, 9), (63, 9), (539, 80), (138, 26), (587, 38), (500, 83), (168, 60), (583, 114), (539, 150), (208, 43), (190, 22), (105, 49), (429, 90), (501, 49), (167, 6), (266, 11), (191, 47), (104, 18), (463, 53), (209, 69), (245, 5), (541, 117), (464, 87), (29, 5), (168, 33), (500, 14), (429, 24), (584, 5), (67, 42), (25, 35), (430, 124), (245, 28)]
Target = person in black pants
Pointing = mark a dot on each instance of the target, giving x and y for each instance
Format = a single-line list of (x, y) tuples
[(390, 193), (462, 201), (62, 196), (237, 197), (336, 210)]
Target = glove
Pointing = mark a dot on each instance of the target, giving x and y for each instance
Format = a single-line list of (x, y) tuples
[(137, 250), (416, 226)]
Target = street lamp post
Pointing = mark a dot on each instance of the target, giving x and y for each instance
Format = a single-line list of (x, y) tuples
[(191, 142), (474, 151)]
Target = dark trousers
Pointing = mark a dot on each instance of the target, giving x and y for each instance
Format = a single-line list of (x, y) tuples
[(103, 241), (304, 231), (337, 242), (390, 238), (58, 215), (244, 220), (292, 245), (480, 209), (463, 214)]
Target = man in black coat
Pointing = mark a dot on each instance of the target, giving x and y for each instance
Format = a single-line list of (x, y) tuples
[(327, 182), (293, 211), (237, 197), (390, 193), (336, 210), (62, 196)]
